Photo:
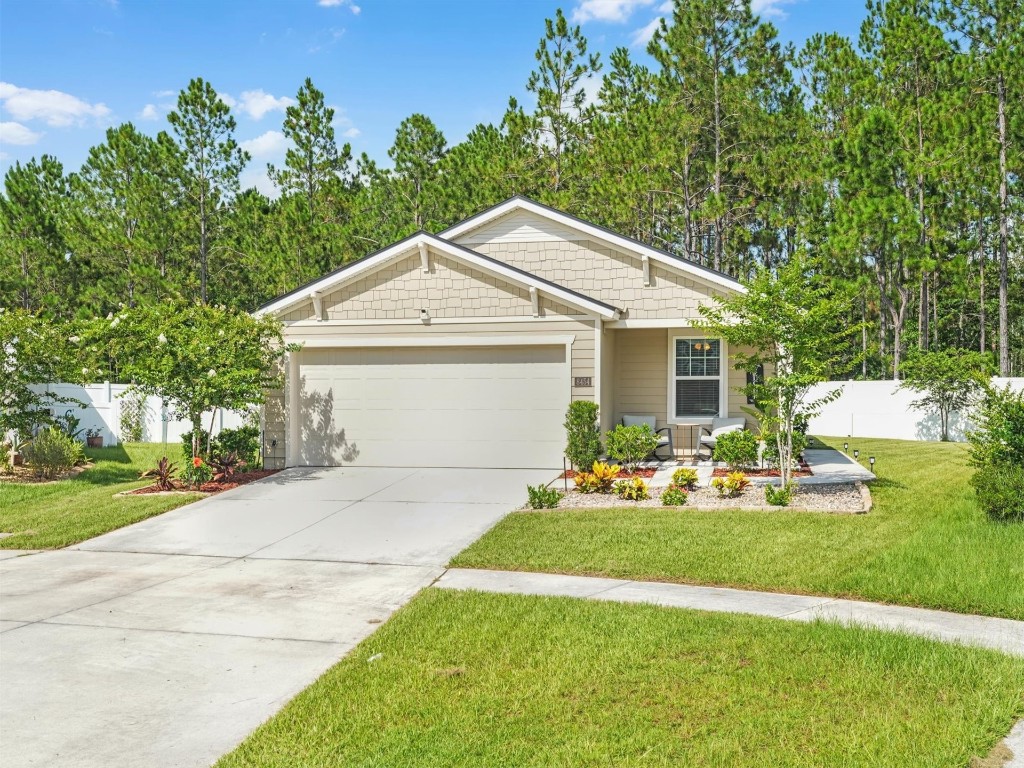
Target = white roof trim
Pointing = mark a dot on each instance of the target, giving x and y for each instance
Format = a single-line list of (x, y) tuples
[(594, 232), (410, 246)]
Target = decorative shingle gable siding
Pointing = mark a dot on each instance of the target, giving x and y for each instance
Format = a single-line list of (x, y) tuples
[(451, 289), (607, 275)]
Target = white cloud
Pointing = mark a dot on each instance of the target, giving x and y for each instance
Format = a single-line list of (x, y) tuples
[(257, 177), (55, 108), (340, 3), (257, 103), (351, 133), (606, 10), (149, 112), (228, 99), (770, 8), (16, 133), (642, 36), (271, 143)]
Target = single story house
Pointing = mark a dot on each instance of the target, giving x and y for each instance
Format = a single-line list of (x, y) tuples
[(464, 348)]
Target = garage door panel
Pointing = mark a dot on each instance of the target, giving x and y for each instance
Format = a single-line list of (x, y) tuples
[(434, 406)]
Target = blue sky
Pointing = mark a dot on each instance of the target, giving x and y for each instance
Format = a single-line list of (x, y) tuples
[(71, 68)]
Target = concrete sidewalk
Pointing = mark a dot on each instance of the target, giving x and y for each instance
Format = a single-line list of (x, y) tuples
[(1004, 635)]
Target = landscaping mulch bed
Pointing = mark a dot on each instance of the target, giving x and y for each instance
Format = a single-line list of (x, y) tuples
[(644, 472), (804, 471), (840, 497), (22, 474), (243, 478)]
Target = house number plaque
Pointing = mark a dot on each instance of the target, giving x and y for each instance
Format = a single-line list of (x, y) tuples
[(583, 381)]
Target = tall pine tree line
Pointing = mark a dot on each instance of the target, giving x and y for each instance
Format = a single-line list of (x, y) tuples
[(894, 162)]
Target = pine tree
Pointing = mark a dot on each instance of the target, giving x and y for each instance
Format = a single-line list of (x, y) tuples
[(118, 228), (212, 164), (564, 67), (34, 273), (317, 180)]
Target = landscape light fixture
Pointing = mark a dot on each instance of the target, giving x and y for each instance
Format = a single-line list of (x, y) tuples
[(856, 454), (871, 460), (846, 447)]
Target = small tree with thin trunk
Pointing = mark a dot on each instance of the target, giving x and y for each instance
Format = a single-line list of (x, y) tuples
[(794, 330), (33, 352), (198, 358), (948, 380)]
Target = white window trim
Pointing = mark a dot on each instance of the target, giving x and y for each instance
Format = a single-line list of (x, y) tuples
[(723, 380)]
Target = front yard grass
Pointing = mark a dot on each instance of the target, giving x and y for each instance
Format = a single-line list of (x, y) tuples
[(469, 679), (51, 515), (925, 543)]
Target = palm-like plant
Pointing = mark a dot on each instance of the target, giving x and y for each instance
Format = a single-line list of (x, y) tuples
[(163, 473)]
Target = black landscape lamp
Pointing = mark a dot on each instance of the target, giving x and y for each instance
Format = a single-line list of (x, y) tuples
[(871, 461), (856, 454), (846, 447)]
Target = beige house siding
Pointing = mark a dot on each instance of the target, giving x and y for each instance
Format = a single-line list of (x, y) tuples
[(274, 429), (582, 353), (450, 289), (608, 275)]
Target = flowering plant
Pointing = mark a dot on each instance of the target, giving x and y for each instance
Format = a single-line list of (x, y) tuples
[(197, 474)]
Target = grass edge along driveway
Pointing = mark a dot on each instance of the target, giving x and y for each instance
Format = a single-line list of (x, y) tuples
[(467, 679), (66, 512), (925, 543)]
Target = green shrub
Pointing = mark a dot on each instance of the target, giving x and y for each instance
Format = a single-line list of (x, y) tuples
[(632, 490), (196, 472), (51, 452), (731, 486), (771, 448), (542, 497), (673, 496), (800, 423), (685, 477), (1000, 489), (999, 437), (738, 449), (6, 449), (778, 496), (583, 434), (244, 442), (632, 444), (186, 445)]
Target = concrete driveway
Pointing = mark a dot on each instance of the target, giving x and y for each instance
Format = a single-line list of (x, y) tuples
[(165, 643)]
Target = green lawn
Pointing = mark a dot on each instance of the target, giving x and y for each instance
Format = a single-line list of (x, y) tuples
[(45, 516), (924, 543), (471, 679)]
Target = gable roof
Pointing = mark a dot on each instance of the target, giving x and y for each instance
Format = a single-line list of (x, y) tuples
[(597, 232), (411, 244)]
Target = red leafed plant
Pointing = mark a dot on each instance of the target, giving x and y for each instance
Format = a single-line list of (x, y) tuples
[(163, 474), (225, 466)]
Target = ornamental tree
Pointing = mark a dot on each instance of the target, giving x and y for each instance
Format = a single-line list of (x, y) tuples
[(795, 331), (35, 351), (197, 357), (948, 380)]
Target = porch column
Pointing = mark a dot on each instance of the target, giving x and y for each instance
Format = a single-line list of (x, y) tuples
[(292, 443)]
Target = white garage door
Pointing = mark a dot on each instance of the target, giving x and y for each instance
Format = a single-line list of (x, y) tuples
[(496, 406)]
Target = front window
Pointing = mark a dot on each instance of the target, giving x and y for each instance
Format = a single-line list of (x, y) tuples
[(697, 380)]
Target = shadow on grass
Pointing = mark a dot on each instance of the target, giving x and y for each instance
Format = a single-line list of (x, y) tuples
[(114, 453)]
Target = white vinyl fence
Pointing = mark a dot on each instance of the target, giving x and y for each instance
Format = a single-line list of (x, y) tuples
[(103, 411), (879, 409)]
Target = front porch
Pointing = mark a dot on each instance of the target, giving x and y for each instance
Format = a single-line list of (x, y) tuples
[(678, 375)]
